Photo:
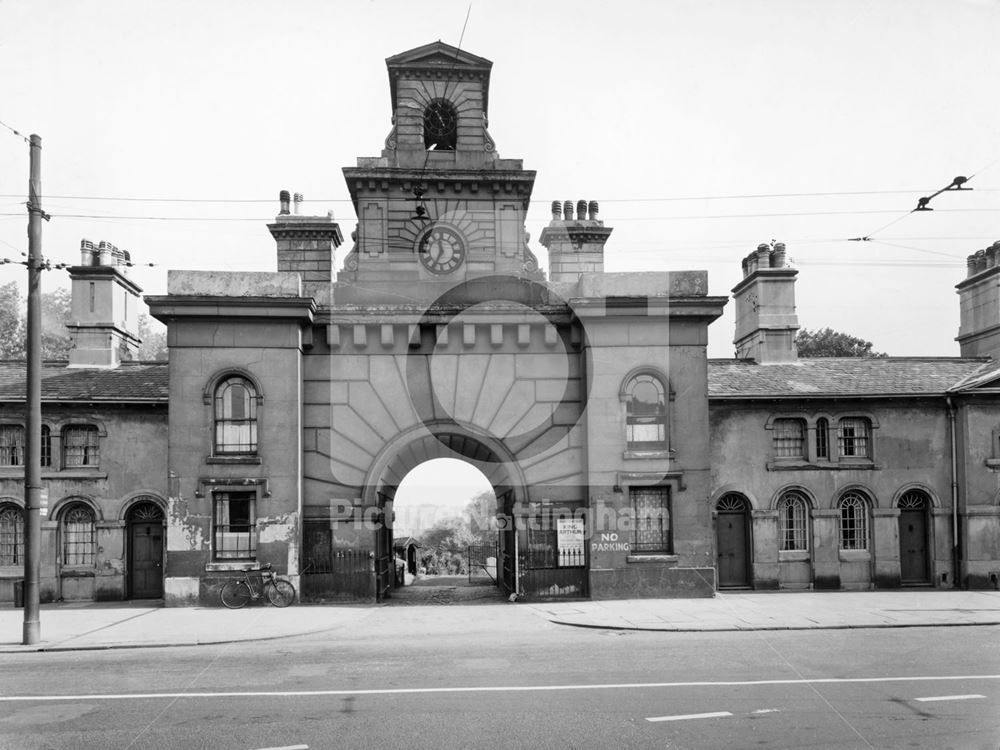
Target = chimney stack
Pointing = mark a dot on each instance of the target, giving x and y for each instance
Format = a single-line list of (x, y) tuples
[(104, 307), (766, 322), (979, 304), (305, 245), (575, 246)]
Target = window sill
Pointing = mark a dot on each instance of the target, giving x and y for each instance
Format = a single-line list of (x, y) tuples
[(651, 558), (843, 465), (648, 453), (77, 572), (793, 555), (235, 460), (234, 565), (49, 473), (855, 555), (993, 463)]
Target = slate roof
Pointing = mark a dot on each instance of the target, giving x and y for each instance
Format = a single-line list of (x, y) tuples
[(129, 382), (842, 376)]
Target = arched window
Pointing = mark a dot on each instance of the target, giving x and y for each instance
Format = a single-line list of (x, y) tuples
[(11, 535), (822, 438), (46, 454), (793, 512), (853, 521), (732, 502), (235, 417), (78, 535), (645, 413), (440, 126), (913, 500), (80, 445)]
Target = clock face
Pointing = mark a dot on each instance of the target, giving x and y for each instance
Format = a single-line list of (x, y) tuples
[(441, 250)]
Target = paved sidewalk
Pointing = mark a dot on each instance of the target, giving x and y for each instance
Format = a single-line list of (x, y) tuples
[(83, 626), (785, 610)]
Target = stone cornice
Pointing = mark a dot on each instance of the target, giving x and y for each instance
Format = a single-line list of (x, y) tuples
[(107, 272), (172, 306)]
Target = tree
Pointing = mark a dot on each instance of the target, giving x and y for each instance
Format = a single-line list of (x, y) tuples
[(55, 315), (12, 333), (154, 342), (826, 342)]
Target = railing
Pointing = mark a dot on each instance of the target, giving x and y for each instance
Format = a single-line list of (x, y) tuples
[(483, 560)]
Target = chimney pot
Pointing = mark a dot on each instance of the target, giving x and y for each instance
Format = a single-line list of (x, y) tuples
[(297, 201), (556, 211), (284, 198), (763, 255), (568, 210), (86, 253), (592, 206), (778, 255), (581, 210)]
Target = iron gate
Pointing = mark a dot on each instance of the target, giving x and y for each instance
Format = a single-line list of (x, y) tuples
[(329, 573)]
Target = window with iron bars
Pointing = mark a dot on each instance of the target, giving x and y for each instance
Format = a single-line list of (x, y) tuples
[(789, 438), (854, 437), (78, 536), (80, 446), (651, 520), (793, 511), (853, 522), (235, 526), (11, 535)]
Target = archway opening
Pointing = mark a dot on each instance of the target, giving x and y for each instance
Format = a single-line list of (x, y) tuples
[(445, 533), (452, 493)]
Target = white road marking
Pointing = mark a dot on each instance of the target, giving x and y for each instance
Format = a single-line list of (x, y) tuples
[(489, 688), (713, 715), (766, 711), (949, 698), (287, 747)]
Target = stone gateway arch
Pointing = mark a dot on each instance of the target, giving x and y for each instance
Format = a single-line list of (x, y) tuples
[(300, 399)]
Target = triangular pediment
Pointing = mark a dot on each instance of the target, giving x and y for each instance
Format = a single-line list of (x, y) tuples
[(437, 54)]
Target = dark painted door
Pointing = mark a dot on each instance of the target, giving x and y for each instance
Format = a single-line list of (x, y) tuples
[(146, 560), (732, 545), (913, 546)]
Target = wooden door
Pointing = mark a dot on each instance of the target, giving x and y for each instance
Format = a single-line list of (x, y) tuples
[(731, 530), (913, 567), (146, 559)]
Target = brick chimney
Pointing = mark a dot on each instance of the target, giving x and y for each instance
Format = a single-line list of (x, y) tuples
[(766, 322), (979, 305), (575, 246), (306, 245), (104, 307)]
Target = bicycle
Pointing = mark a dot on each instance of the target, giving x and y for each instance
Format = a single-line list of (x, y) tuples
[(238, 591)]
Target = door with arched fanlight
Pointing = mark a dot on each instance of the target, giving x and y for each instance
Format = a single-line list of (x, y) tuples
[(732, 529), (914, 544), (144, 523)]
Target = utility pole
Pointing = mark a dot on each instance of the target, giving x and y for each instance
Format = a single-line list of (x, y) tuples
[(33, 404)]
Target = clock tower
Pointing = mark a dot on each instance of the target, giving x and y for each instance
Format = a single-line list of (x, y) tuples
[(439, 206)]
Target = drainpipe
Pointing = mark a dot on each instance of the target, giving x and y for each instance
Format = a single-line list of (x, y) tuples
[(956, 557)]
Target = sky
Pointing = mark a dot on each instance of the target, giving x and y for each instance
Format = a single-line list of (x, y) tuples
[(703, 128)]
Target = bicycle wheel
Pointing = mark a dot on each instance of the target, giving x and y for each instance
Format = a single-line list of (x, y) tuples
[(235, 594), (280, 593)]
